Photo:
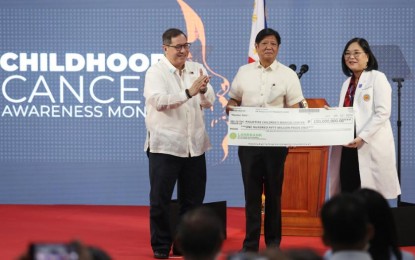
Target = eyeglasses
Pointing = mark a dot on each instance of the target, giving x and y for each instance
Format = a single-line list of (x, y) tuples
[(179, 47), (356, 54)]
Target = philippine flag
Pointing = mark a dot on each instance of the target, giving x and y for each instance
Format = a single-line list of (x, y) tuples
[(259, 22)]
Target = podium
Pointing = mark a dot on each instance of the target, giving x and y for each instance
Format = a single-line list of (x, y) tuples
[(304, 188)]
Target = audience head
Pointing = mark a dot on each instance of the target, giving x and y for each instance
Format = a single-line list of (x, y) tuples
[(345, 223), (248, 256), (302, 254), (56, 250), (200, 234), (385, 238), (273, 253)]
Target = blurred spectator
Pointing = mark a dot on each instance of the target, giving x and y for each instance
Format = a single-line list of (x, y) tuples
[(200, 235), (346, 227), (247, 255), (74, 250), (302, 254), (384, 244), (273, 253)]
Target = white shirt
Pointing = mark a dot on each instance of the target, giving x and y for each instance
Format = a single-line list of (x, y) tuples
[(349, 254), (275, 86), (175, 124), (405, 255)]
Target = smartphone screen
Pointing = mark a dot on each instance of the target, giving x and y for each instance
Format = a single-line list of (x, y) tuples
[(52, 251)]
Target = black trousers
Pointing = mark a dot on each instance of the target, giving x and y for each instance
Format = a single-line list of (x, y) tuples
[(165, 170), (262, 171), (349, 170)]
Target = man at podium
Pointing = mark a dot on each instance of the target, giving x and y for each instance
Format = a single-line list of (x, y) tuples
[(264, 83)]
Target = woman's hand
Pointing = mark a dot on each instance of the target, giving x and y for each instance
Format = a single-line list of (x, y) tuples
[(356, 143)]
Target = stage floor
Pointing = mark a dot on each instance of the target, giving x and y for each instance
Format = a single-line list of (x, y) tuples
[(121, 231)]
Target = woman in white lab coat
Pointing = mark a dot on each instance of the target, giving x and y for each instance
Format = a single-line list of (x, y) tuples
[(368, 161)]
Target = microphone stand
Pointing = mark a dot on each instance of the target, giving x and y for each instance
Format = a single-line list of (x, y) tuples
[(399, 125), (404, 214)]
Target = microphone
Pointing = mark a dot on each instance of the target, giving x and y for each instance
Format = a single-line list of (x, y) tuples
[(303, 70), (399, 80), (293, 67)]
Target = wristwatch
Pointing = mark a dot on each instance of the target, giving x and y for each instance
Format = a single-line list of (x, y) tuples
[(188, 93)]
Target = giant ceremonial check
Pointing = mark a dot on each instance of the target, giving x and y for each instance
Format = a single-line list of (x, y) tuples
[(260, 126)]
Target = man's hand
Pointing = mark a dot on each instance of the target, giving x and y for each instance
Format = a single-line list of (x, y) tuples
[(231, 103), (200, 84)]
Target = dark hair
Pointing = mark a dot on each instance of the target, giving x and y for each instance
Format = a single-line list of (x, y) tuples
[(200, 233), (302, 254), (385, 238), (95, 252), (171, 33), (267, 32), (344, 220), (372, 63)]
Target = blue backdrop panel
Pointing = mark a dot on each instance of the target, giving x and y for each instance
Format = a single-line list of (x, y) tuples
[(72, 75)]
